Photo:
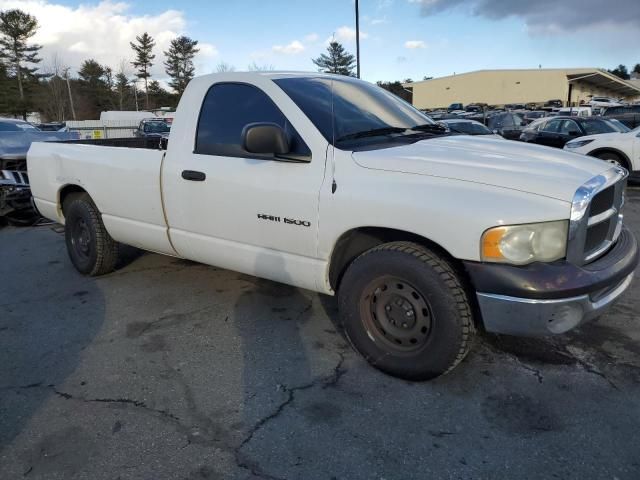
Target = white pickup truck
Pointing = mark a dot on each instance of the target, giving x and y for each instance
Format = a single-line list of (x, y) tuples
[(332, 184)]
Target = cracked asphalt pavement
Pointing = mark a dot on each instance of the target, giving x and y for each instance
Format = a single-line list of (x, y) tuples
[(168, 369)]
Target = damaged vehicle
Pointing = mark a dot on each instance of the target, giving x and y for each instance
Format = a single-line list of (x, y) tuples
[(16, 137)]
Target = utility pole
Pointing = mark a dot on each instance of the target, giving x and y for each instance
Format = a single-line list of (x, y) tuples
[(66, 76), (357, 41)]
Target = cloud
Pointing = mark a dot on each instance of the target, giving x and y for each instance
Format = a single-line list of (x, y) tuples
[(548, 15), (312, 37), (103, 31), (346, 34), (292, 48), (413, 44), (378, 21)]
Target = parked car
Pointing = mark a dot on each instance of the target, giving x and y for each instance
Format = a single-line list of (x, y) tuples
[(530, 116), (618, 148), (576, 111), (507, 124), (53, 127), (514, 106), (153, 128), (468, 127), (476, 107), (16, 137), (330, 183), (555, 103), (455, 106), (556, 131), (627, 114)]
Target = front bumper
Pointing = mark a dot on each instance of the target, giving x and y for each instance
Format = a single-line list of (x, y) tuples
[(543, 299)]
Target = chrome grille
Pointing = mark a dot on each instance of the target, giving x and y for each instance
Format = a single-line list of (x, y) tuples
[(596, 216), (14, 177)]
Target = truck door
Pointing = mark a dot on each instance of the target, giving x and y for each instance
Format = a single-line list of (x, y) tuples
[(237, 210)]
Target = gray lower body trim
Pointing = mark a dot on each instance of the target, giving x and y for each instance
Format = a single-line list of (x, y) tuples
[(527, 317)]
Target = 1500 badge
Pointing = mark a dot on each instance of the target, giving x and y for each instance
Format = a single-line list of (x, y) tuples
[(290, 221)]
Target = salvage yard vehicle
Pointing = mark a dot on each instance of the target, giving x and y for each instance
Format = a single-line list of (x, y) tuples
[(627, 114), (335, 185), (621, 149), (556, 131), (506, 124), (153, 128), (468, 127), (15, 195)]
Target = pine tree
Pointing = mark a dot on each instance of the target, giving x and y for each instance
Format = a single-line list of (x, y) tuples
[(179, 63), (16, 28), (144, 60), (337, 61), (122, 88)]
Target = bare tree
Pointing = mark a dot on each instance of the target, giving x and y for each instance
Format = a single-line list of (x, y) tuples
[(225, 67), (254, 67), (55, 102)]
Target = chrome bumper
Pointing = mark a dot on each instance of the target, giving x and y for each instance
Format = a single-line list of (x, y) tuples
[(533, 317)]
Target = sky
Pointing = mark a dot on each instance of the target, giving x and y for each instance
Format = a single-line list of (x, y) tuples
[(399, 38)]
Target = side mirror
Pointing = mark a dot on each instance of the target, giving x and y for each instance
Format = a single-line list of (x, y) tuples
[(265, 139)]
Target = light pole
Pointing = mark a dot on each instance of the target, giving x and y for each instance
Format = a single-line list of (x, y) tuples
[(357, 41)]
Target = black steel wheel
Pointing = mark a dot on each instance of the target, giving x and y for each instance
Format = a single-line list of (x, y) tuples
[(396, 313), (90, 247), (405, 310)]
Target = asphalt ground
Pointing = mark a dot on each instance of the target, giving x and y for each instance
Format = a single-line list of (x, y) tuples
[(167, 369)]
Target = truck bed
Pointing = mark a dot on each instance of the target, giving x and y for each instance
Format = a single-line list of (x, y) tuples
[(124, 184)]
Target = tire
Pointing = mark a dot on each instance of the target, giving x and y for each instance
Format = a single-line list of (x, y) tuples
[(90, 247), (613, 158), (394, 280)]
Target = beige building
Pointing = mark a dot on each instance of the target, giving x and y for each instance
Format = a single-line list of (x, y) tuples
[(498, 87)]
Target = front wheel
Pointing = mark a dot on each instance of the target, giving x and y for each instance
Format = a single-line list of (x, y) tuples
[(91, 249), (405, 310)]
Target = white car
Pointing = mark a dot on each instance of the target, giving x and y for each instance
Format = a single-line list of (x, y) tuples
[(619, 148), (335, 185), (603, 102)]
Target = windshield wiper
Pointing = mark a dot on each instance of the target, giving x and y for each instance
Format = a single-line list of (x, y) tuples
[(372, 133), (430, 127)]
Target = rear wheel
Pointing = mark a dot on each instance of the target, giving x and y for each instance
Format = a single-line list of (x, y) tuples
[(404, 309), (91, 249)]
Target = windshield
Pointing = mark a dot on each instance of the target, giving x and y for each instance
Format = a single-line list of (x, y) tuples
[(617, 124), (470, 128), (157, 127), (352, 106), (594, 126)]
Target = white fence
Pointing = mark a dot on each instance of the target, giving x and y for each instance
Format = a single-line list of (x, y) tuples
[(97, 129)]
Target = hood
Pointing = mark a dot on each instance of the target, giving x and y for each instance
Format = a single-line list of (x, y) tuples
[(502, 163), (16, 144)]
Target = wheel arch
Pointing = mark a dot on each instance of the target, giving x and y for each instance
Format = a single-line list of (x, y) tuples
[(64, 192), (623, 156), (352, 243)]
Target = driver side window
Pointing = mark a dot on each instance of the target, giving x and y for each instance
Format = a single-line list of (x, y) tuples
[(227, 108)]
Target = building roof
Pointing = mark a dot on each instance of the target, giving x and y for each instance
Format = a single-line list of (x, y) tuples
[(595, 76)]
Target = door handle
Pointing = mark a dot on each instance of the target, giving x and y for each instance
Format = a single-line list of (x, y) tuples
[(193, 175)]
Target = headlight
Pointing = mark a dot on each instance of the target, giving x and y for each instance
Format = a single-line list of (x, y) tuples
[(522, 244), (578, 143)]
